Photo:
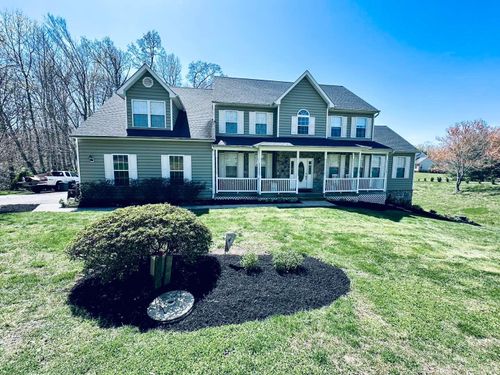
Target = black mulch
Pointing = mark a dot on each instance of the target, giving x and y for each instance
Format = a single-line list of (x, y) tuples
[(224, 293)]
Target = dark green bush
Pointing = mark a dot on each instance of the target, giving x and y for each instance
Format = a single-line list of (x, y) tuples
[(249, 261), (425, 179), (287, 260), (120, 243), (432, 179), (439, 179), (447, 179), (152, 190)]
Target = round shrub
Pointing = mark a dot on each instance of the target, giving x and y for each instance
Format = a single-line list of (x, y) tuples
[(439, 179), (249, 261), (120, 243), (287, 260)]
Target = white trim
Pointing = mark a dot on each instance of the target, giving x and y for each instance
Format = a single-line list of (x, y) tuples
[(171, 114), (214, 173), (278, 123), (138, 74), (325, 171), (78, 159), (148, 103), (313, 82), (186, 166)]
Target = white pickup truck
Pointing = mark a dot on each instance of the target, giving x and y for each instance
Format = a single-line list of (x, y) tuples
[(56, 180)]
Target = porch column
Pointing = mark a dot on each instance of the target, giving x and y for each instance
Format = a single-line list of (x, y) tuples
[(297, 173), (359, 171), (351, 166), (259, 170), (324, 172), (215, 172), (385, 172)]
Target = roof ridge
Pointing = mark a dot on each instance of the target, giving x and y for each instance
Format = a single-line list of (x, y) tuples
[(253, 79)]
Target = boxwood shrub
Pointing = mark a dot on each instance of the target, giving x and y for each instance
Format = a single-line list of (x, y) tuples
[(120, 243), (104, 193), (287, 260), (249, 261)]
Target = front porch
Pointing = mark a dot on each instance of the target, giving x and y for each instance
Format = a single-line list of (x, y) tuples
[(266, 171)]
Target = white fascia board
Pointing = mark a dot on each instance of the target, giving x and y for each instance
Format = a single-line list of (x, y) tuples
[(313, 82), (144, 68)]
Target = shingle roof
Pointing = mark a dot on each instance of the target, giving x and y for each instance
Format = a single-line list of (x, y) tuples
[(386, 136), (264, 92), (295, 141), (198, 104)]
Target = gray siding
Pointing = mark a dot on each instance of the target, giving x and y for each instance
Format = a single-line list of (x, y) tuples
[(246, 118), (175, 114), (157, 92), (400, 183), (148, 157), (350, 115), (302, 96)]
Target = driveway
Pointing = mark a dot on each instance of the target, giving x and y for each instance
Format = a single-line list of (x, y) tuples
[(42, 198)]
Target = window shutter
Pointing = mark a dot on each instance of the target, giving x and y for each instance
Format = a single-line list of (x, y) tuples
[(222, 121), (382, 166), (312, 125), (394, 166), (353, 127), (368, 132), (132, 167), (407, 166), (109, 173), (165, 166), (187, 167), (269, 165), (329, 120), (222, 164), (343, 132), (241, 122), (270, 121), (241, 160), (342, 166), (295, 122), (251, 165), (251, 122), (366, 170)]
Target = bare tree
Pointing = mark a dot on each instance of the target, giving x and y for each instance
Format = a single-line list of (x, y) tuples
[(115, 63), (169, 68), (146, 50), (464, 148), (201, 73)]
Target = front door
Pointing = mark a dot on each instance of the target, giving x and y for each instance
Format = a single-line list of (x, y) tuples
[(305, 170)]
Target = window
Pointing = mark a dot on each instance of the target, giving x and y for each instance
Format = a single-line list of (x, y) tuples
[(376, 164), (148, 114), (120, 170), (176, 168), (400, 166), (303, 122), (336, 126), (231, 122), (231, 165), (361, 127), (333, 172), (261, 123)]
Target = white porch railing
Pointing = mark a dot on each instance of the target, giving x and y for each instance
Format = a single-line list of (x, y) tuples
[(234, 185), (340, 184), (278, 185), (371, 184)]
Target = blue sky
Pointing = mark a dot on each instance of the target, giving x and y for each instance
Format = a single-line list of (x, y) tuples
[(424, 64)]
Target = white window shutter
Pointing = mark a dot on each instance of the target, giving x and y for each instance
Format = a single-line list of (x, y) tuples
[(353, 127), (269, 165), (407, 166), (295, 122), (342, 166), (312, 125), (366, 170), (382, 166), (251, 165), (241, 161), (132, 167), (187, 167), (165, 166), (394, 166), (241, 129), (368, 133), (222, 121), (270, 121), (343, 132), (109, 173), (222, 164), (251, 122)]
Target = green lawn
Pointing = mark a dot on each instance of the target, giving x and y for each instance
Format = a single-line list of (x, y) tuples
[(479, 202), (424, 299), (10, 192)]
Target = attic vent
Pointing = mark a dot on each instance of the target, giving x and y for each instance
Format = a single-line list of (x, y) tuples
[(147, 82)]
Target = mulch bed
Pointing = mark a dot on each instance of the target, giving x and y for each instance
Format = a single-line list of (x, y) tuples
[(224, 293)]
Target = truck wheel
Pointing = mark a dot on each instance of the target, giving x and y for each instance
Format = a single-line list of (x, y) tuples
[(36, 190), (59, 186)]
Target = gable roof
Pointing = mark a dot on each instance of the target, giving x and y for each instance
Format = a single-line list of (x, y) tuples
[(312, 81), (261, 92), (386, 136)]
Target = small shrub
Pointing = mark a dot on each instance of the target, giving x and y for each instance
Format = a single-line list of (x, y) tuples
[(250, 262), (447, 179), (425, 179), (120, 244), (467, 180), (493, 181), (439, 179), (287, 260), (432, 179)]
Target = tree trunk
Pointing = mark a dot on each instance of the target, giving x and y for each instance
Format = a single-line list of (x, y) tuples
[(458, 182)]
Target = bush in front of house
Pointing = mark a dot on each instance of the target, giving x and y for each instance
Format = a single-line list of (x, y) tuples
[(152, 190), (439, 179), (287, 260), (250, 262), (120, 244)]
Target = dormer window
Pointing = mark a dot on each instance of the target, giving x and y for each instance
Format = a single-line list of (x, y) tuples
[(303, 121), (148, 114), (361, 127)]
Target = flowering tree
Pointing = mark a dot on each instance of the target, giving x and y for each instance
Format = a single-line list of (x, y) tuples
[(466, 146)]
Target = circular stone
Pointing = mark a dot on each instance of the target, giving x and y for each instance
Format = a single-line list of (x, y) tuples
[(171, 306)]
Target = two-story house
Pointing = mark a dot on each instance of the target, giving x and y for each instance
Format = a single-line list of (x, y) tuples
[(246, 138)]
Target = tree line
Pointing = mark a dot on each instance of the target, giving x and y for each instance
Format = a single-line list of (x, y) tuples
[(50, 82)]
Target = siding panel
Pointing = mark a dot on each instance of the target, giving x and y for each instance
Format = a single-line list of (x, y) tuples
[(400, 183)]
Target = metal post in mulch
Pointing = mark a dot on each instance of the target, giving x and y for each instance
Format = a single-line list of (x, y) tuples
[(160, 268)]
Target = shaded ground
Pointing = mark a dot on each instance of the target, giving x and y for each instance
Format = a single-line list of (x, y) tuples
[(224, 293)]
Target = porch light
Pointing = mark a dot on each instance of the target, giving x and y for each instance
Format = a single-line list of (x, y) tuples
[(91, 158)]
